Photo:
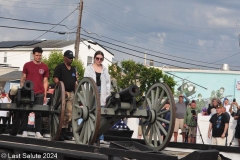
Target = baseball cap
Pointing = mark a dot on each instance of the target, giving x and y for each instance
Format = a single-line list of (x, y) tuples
[(68, 54), (225, 99), (180, 95), (193, 101), (219, 106)]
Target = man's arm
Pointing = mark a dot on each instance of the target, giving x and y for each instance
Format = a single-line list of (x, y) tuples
[(209, 130), (45, 85), (225, 130), (22, 80)]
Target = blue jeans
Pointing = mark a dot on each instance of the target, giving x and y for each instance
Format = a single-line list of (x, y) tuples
[(99, 90)]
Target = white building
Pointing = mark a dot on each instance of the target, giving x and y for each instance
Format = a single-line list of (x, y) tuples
[(17, 53)]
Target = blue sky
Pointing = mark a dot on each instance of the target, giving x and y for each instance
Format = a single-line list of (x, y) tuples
[(190, 34)]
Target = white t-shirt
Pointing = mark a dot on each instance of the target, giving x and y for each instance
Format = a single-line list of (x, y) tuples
[(4, 100), (227, 108)]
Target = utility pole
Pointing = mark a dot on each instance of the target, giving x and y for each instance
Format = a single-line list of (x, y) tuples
[(77, 41)]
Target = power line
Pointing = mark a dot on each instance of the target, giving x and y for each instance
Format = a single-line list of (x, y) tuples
[(49, 9), (153, 51), (33, 29), (55, 4), (188, 49), (157, 56), (22, 20)]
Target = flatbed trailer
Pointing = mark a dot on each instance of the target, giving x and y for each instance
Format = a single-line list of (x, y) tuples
[(15, 147)]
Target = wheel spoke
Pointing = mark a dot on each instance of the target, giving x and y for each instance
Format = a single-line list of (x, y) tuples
[(155, 136), (161, 106), (82, 132), (152, 98), (150, 136), (81, 99), (160, 99), (147, 129), (158, 133), (92, 110), (92, 117), (163, 120), (84, 93), (156, 98), (163, 112), (161, 128), (149, 103), (87, 95)]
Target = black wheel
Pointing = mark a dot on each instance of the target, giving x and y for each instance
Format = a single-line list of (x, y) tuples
[(58, 107), (152, 127), (86, 107)]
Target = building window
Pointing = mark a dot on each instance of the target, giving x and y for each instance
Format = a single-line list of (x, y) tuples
[(89, 60), (31, 56), (5, 58)]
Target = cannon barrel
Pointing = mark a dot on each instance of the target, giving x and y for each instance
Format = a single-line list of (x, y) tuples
[(25, 95), (28, 86), (127, 93)]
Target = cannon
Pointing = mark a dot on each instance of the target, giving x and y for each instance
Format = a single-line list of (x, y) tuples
[(23, 103), (96, 120)]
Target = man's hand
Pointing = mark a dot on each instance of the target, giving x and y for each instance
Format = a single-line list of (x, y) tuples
[(185, 125), (223, 135), (44, 100), (209, 135)]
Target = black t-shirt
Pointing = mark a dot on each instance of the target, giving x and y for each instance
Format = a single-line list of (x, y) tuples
[(218, 124), (98, 79), (68, 77)]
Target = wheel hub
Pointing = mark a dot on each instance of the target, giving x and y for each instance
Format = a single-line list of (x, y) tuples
[(85, 113), (152, 116)]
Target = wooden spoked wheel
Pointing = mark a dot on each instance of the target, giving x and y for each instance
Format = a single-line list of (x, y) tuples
[(153, 127), (58, 109), (86, 108)]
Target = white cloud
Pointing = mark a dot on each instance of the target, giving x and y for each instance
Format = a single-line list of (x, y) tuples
[(201, 42)]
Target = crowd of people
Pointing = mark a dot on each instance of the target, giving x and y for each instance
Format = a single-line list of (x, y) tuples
[(219, 113)]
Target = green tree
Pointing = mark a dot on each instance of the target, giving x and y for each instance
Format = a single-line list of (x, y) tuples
[(56, 58), (129, 72)]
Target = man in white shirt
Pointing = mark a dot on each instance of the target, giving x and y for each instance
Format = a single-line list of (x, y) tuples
[(3, 114), (226, 105)]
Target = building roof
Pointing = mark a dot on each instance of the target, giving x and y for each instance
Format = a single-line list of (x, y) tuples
[(32, 44), (11, 44), (11, 76)]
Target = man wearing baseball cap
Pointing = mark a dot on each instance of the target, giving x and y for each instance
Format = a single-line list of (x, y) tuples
[(190, 121), (218, 125), (67, 74)]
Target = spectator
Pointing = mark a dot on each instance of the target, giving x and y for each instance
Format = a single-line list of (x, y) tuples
[(4, 114), (226, 105), (167, 117), (212, 107), (218, 125), (99, 73), (190, 121), (237, 132), (234, 108), (228, 116), (37, 72), (67, 74), (181, 108)]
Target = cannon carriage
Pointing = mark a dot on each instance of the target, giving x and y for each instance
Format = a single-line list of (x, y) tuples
[(96, 120)]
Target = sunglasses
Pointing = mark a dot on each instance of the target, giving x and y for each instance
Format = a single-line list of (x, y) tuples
[(70, 57), (99, 59)]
